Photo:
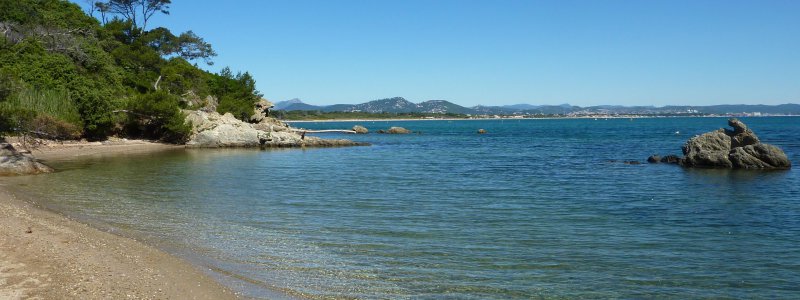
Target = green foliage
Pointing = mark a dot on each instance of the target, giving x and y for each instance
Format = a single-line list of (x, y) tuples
[(187, 45), (237, 94), (55, 103), (46, 113), (48, 13), (156, 116), (178, 76), (138, 11), (15, 119), (61, 71)]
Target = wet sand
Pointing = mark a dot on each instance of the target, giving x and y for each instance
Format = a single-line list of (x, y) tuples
[(44, 255)]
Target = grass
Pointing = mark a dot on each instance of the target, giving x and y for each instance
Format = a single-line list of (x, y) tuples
[(54, 103)]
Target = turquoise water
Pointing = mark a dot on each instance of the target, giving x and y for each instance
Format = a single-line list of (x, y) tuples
[(534, 208)]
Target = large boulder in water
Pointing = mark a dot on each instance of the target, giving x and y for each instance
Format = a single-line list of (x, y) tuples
[(12, 162), (739, 148), (759, 156), (360, 129), (398, 130), (708, 150)]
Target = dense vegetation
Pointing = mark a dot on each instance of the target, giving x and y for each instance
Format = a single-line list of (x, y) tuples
[(65, 74)]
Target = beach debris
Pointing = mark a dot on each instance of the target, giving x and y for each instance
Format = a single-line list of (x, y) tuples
[(29, 230), (360, 129)]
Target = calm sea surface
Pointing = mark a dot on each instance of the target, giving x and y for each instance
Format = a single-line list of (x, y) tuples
[(533, 209)]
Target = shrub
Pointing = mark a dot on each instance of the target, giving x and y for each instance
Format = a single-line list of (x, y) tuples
[(156, 116)]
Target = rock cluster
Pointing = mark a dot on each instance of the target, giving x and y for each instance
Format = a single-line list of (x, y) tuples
[(212, 130), (12, 162), (739, 148)]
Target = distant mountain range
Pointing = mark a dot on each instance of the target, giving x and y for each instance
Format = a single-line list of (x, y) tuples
[(401, 105)]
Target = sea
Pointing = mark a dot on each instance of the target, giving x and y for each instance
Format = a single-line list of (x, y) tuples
[(533, 209)]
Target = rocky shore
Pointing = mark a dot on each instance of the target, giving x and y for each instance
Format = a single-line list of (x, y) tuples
[(212, 130)]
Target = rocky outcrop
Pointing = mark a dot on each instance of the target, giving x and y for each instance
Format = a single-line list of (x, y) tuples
[(194, 102), (360, 129), (398, 130), (12, 162), (759, 156), (261, 110), (739, 148), (741, 135), (212, 130)]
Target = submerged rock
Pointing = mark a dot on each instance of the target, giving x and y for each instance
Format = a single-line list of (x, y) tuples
[(739, 148), (12, 162), (671, 159)]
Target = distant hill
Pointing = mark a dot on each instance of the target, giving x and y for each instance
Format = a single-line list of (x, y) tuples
[(301, 106), (282, 105), (401, 105)]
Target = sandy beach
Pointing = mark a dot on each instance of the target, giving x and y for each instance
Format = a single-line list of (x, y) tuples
[(44, 255)]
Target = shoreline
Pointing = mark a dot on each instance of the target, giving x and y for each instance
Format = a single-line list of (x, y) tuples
[(510, 119), (68, 150), (46, 255)]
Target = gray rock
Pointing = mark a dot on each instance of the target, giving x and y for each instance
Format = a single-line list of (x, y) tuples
[(209, 104), (14, 163), (741, 135), (261, 110), (360, 129), (739, 148), (398, 130), (708, 150), (759, 156), (671, 159), (212, 130)]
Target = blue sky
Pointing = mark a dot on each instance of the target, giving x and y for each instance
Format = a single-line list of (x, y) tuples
[(506, 52)]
